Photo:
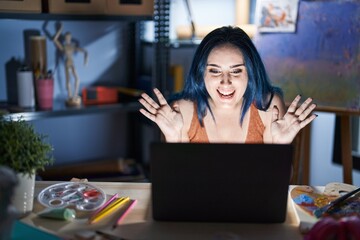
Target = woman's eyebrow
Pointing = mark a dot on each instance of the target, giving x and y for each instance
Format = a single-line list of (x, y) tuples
[(212, 65), (233, 66), (237, 65)]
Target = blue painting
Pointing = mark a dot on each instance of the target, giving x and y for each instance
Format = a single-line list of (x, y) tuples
[(322, 58)]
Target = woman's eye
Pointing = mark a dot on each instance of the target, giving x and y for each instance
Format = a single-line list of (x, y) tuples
[(236, 71), (215, 71)]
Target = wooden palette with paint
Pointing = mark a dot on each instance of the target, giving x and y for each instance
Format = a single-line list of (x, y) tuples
[(309, 198)]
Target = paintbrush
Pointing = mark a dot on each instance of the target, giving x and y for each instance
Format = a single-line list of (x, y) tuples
[(329, 207)]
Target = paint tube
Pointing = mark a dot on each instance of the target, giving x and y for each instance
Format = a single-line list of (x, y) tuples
[(58, 213)]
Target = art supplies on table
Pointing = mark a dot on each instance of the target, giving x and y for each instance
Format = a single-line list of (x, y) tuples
[(83, 205), (124, 211), (109, 209), (111, 199), (66, 214), (80, 195), (312, 203)]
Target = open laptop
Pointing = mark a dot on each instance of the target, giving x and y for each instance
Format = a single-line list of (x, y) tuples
[(220, 182)]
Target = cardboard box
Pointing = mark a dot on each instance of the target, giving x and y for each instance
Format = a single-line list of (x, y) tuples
[(32, 6), (77, 6), (130, 7)]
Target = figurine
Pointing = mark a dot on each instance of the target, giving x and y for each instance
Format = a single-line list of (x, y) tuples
[(8, 212), (69, 49)]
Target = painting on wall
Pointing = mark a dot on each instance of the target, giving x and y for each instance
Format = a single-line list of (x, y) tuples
[(276, 15), (322, 58)]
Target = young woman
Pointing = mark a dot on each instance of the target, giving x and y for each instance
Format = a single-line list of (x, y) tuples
[(228, 97)]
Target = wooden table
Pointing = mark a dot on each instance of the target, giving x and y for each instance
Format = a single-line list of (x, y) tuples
[(138, 224)]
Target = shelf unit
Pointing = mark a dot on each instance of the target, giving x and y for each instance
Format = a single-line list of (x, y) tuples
[(159, 74), (160, 63)]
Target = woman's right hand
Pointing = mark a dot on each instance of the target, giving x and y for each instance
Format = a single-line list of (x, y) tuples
[(168, 118)]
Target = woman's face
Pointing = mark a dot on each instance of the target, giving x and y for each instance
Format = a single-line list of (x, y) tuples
[(226, 76)]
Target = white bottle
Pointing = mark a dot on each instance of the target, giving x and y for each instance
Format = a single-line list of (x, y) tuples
[(25, 87)]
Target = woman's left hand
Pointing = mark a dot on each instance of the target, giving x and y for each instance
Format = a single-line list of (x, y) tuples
[(284, 130)]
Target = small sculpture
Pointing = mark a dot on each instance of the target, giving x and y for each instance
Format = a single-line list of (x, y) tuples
[(69, 49), (8, 212)]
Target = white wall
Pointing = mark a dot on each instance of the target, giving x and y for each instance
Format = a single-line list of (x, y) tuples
[(322, 170), (204, 13)]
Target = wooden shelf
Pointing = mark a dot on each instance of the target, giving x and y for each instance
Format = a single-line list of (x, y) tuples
[(71, 17), (181, 43), (61, 110)]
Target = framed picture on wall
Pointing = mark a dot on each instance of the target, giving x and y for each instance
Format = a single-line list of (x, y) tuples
[(276, 15)]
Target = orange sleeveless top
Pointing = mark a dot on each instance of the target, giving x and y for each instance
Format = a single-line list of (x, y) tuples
[(256, 128)]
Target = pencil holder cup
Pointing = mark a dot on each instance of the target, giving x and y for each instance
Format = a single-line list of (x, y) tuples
[(45, 92)]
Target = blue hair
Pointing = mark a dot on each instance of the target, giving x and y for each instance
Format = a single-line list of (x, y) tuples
[(259, 89)]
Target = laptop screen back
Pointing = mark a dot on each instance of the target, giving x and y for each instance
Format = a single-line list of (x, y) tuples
[(220, 182)]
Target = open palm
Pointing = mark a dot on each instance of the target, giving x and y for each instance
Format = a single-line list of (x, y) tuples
[(284, 130), (168, 118)]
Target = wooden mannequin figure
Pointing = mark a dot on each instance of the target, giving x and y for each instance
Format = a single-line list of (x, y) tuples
[(69, 49)]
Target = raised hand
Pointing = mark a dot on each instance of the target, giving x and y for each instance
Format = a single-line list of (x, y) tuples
[(168, 118), (284, 130)]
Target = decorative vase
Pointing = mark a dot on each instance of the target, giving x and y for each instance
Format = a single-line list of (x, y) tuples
[(24, 193)]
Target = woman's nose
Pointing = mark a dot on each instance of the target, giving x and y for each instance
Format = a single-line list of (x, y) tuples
[(226, 79)]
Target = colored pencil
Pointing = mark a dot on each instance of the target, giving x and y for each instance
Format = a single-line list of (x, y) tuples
[(109, 209), (129, 206), (113, 197)]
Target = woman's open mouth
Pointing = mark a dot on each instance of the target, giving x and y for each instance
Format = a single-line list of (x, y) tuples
[(226, 94)]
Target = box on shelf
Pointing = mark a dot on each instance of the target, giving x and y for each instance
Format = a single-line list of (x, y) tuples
[(76, 6), (130, 7), (99, 95), (31, 6)]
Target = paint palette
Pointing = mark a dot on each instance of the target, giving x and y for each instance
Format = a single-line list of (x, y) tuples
[(309, 199), (82, 196)]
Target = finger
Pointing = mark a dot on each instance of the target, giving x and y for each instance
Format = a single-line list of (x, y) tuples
[(157, 118), (150, 100), (303, 107), (148, 106), (307, 111), (160, 97), (147, 114), (275, 114), (307, 120), (293, 105)]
